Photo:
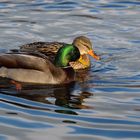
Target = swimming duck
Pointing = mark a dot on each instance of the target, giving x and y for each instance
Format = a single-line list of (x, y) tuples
[(50, 49), (23, 67)]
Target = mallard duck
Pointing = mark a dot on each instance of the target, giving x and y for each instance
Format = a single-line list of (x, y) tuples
[(23, 67), (50, 49)]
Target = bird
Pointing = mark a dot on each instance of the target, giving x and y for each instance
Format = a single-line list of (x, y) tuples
[(50, 49), (29, 68)]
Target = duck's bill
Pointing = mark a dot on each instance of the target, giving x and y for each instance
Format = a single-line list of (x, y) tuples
[(94, 55)]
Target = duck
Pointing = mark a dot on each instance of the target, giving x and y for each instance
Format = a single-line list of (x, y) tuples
[(29, 68), (50, 49)]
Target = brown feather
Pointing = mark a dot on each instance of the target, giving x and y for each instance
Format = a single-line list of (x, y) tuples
[(47, 48)]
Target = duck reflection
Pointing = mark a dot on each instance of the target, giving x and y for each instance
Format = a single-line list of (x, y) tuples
[(65, 95), (62, 95)]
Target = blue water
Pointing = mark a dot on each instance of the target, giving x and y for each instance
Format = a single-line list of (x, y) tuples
[(104, 102)]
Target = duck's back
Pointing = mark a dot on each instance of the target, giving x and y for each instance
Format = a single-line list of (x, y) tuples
[(48, 48)]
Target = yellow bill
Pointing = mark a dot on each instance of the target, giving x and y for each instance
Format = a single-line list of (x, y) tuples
[(95, 56)]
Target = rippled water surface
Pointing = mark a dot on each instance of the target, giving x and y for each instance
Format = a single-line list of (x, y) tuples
[(104, 103)]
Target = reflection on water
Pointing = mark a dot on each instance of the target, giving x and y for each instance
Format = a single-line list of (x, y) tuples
[(104, 102), (60, 95)]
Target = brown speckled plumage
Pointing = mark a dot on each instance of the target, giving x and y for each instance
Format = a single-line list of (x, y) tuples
[(48, 48)]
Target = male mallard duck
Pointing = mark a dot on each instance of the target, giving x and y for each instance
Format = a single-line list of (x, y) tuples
[(50, 49), (27, 68)]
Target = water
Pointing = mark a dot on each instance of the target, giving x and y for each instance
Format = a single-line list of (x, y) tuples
[(104, 103)]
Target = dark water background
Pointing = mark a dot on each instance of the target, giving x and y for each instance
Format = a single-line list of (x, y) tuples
[(104, 104)]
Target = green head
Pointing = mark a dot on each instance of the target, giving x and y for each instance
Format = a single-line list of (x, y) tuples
[(66, 54)]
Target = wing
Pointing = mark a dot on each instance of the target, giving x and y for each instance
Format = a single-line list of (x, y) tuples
[(24, 61)]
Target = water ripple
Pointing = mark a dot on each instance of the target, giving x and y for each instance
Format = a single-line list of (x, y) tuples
[(104, 102)]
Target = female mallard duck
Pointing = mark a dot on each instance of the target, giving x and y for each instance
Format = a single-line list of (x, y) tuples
[(50, 49), (27, 68)]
